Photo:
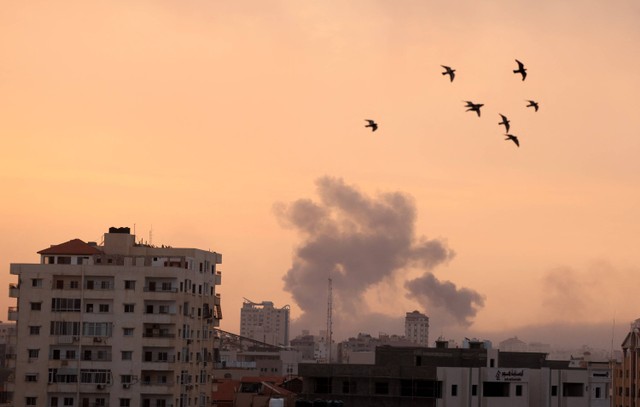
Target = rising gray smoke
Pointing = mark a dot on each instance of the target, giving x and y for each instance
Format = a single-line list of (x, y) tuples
[(358, 242)]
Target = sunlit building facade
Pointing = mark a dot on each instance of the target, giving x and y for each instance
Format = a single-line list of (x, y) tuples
[(264, 322), (116, 324), (416, 328), (626, 374)]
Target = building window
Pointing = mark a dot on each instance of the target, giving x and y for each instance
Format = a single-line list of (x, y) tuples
[(34, 330), (68, 401), (129, 285), (36, 282), (74, 284), (518, 390), (454, 390), (104, 307), (33, 353), (474, 389), (575, 390), (31, 377), (96, 328), (554, 390), (53, 402), (125, 402), (323, 385), (495, 389), (127, 331), (348, 387), (64, 260), (30, 401), (88, 308), (65, 304), (127, 355), (598, 395), (129, 307), (381, 388), (125, 378), (36, 306)]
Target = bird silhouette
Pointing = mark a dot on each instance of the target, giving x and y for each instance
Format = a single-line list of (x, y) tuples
[(504, 121), (372, 124), (521, 69), (513, 138), (449, 71), (533, 104), (475, 107)]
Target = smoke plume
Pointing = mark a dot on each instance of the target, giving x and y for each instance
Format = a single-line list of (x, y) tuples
[(359, 242)]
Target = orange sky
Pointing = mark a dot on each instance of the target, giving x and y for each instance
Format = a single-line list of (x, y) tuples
[(195, 118)]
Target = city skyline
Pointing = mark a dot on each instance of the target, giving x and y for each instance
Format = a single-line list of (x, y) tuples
[(235, 127)]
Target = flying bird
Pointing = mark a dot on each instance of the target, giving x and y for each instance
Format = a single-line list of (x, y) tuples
[(513, 138), (475, 107), (449, 71), (533, 104), (521, 69), (372, 124), (504, 121)]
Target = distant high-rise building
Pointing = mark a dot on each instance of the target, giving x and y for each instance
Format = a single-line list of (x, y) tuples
[(416, 328), (118, 324), (263, 322)]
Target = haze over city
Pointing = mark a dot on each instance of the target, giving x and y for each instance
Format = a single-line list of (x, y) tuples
[(239, 127)]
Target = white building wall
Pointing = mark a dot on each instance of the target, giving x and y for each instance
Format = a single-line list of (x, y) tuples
[(534, 387), (263, 322), (147, 354)]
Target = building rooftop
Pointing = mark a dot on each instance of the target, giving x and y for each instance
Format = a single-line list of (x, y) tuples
[(72, 247)]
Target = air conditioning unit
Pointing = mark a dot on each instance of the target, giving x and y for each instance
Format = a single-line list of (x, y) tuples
[(126, 385), (101, 387)]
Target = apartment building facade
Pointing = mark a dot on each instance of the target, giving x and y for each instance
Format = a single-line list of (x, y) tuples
[(416, 328), (264, 322), (626, 373), (120, 324)]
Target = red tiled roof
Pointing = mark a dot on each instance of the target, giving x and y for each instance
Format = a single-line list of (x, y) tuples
[(75, 246), (226, 390)]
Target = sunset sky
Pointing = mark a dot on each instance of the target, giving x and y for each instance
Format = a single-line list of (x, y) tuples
[(238, 126)]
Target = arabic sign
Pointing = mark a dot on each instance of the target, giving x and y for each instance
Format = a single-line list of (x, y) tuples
[(509, 375)]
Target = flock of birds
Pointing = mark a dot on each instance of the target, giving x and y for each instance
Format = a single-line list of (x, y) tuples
[(475, 107)]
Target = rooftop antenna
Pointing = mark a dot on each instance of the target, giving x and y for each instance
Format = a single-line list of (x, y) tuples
[(613, 329), (329, 322), (151, 236)]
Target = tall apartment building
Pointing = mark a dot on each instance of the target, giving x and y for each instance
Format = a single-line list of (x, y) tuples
[(416, 328), (626, 379), (265, 323), (115, 325)]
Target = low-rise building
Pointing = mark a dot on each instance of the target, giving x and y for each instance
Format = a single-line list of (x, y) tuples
[(452, 377)]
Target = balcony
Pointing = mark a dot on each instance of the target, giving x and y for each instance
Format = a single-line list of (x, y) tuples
[(218, 278), (12, 314), (14, 290), (159, 289)]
